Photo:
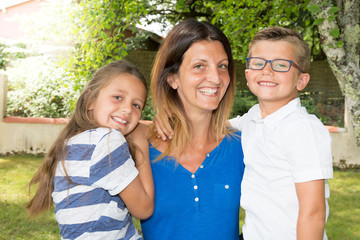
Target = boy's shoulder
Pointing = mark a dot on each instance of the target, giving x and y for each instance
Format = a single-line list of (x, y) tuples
[(302, 122)]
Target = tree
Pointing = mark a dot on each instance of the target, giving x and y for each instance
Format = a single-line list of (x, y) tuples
[(99, 33), (100, 29), (240, 20), (339, 27)]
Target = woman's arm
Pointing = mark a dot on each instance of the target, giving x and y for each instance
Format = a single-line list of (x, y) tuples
[(312, 210), (139, 195)]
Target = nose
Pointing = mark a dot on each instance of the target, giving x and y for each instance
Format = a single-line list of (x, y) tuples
[(126, 107), (267, 67), (214, 75)]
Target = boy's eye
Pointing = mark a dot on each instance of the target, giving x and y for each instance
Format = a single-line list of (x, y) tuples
[(258, 64)]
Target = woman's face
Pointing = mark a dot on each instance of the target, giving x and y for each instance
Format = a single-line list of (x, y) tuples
[(203, 76)]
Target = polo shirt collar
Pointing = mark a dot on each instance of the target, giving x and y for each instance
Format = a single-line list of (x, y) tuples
[(273, 119)]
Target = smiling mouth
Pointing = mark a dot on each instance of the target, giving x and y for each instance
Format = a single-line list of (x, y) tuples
[(270, 84), (209, 91), (119, 120)]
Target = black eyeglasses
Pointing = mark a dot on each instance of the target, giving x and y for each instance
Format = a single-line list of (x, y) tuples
[(277, 65)]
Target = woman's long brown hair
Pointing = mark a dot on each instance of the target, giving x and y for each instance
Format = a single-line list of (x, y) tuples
[(80, 121)]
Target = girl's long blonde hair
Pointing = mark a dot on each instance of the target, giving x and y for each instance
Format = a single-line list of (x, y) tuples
[(166, 100), (80, 121)]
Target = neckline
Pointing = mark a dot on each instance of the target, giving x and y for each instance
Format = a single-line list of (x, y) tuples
[(208, 158)]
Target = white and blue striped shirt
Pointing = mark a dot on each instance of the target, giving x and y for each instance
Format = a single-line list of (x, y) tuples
[(99, 165)]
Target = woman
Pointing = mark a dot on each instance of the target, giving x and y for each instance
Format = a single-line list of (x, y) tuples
[(197, 174)]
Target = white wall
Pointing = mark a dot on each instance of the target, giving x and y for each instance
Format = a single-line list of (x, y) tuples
[(22, 134), (346, 153)]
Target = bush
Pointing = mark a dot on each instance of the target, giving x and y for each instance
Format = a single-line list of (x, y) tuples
[(243, 102), (4, 55), (39, 87)]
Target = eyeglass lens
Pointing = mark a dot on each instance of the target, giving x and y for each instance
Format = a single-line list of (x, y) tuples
[(277, 64)]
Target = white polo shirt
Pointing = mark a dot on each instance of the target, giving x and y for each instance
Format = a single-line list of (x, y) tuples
[(287, 147)]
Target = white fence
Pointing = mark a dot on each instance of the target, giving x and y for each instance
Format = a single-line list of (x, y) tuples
[(36, 135)]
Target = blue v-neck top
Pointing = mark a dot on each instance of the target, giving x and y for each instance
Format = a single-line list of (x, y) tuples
[(203, 205)]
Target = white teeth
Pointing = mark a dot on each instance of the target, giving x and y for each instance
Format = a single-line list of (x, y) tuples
[(119, 120), (267, 84), (208, 91)]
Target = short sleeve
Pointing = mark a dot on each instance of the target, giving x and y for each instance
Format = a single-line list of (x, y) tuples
[(237, 123), (307, 146), (112, 167)]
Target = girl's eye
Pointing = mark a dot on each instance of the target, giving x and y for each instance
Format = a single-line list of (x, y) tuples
[(137, 106), (118, 97)]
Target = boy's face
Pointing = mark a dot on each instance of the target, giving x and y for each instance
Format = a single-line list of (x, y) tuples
[(277, 88)]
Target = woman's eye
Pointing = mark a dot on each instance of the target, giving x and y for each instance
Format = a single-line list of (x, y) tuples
[(199, 66), (223, 66)]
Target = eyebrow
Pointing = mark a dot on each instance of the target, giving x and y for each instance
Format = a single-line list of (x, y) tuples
[(204, 60)]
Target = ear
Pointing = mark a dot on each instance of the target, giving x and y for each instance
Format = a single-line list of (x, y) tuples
[(86, 95), (303, 81), (246, 73), (91, 107), (172, 81)]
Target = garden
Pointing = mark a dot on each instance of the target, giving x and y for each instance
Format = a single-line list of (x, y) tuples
[(47, 85)]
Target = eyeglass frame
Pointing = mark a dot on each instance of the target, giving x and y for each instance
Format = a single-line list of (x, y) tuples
[(292, 63)]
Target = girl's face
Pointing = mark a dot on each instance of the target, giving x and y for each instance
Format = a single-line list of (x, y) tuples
[(119, 103), (203, 77)]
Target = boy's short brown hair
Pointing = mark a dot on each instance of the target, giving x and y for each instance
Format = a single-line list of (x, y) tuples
[(285, 34)]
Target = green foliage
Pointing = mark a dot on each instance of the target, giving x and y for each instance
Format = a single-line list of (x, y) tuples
[(314, 8), (243, 102), (318, 11), (99, 32), (148, 112), (45, 91), (3, 56), (242, 19)]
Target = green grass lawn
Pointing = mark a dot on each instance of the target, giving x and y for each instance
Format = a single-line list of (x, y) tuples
[(16, 171)]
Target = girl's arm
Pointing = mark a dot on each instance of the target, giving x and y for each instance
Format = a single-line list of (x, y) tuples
[(165, 131), (312, 210), (139, 195)]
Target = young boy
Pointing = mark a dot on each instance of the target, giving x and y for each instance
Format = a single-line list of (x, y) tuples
[(287, 152)]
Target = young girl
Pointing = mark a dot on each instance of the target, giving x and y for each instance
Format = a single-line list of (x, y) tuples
[(89, 173)]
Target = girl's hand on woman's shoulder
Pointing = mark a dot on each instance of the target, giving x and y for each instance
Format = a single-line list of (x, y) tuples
[(141, 132)]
